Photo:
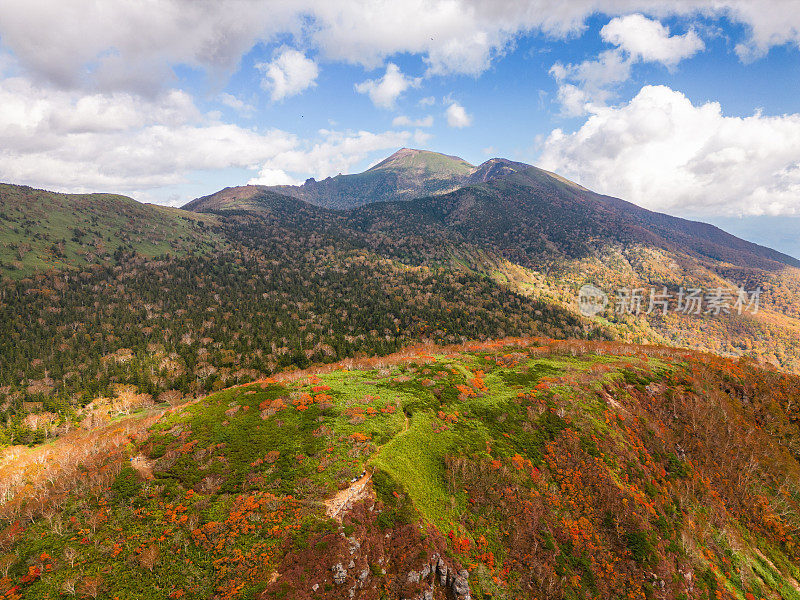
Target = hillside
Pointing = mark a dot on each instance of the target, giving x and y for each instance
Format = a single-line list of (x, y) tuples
[(41, 230), (280, 289), (544, 236), (518, 469), (535, 216)]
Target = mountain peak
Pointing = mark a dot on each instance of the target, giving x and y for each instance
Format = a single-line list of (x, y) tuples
[(495, 168), (431, 163)]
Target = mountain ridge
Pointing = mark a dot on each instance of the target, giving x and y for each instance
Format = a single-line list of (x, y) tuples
[(722, 246)]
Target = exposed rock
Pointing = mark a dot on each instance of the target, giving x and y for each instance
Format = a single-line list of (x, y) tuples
[(441, 568), (339, 573), (460, 585)]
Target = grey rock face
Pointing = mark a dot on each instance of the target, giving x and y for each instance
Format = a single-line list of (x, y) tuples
[(441, 569), (339, 573), (460, 586)]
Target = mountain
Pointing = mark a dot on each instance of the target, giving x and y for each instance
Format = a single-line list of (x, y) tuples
[(494, 168), (523, 469), (544, 236), (567, 220), (244, 198), (422, 166), (405, 174), (517, 198), (251, 282), (42, 230)]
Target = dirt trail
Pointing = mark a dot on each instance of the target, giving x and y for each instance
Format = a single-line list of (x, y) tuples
[(341, 502), (337, 506)]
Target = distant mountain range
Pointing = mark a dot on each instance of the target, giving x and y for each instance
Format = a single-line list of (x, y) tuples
[(497, 199)]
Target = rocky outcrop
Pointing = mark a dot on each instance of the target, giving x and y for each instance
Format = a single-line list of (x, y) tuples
[(439, 580), (339, 573), (362, 561)]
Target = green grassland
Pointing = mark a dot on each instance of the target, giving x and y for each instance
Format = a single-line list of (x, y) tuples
[(41, 230), (534, 469)]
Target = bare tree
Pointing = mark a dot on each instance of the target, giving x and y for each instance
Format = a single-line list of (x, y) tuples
[(68, 587), (70, 555), (6, 562), (92, 586)]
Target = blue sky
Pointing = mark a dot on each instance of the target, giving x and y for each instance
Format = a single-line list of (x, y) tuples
[(672, 105)]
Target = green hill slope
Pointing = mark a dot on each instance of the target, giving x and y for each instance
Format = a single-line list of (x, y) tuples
[(520, 469), (42, 230)]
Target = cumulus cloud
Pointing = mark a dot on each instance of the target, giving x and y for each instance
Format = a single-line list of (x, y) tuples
[(385, 91), (66, 141), (649, 41), (637, 39), (457, 116), (664, 153), (404, 121), (133, 46), (289, 74), (336, 152), (585, 83), (267, 176), (236, 104), (99, 110)]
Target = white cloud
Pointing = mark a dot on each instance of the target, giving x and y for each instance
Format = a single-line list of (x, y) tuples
[(427, 101), (662, 152), (92, 105), (385, 91), (773, 24), (118, 142), (404, 121), (67, 141), (133, 46), (289, 74), (267, 176), (637, 39), (421, 138), (589, 80), (237, 104), (335, 153), (457, 116), (649, 41)]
